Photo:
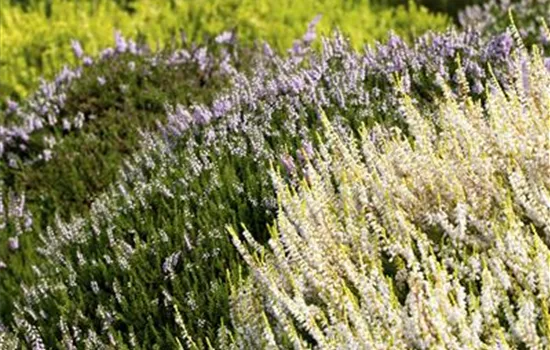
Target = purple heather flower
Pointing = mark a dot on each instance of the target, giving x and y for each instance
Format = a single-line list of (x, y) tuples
[(288, 163), (179, 119), (225, 38), (306, 152), (12, 106), (201, 115), (474, 69), (120, 43), (88, 61), (395, 42), (106, 53), (296, 84), (444, 47), (310, 34), (65, 75), (13, 243), (101, 81), (477, 88), (500, 47), (297, 50), (210, 137), (308, 148), (268, 51), (201, 57), (220, 107), (77, 49)]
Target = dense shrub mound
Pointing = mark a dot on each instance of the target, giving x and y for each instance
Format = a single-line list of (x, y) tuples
[(66, 143), (441, 241), (131, 250), (36, 40), (153, 258)]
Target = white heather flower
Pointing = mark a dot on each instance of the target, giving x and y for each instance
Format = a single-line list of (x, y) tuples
[(47, 154), (13, 243), (95, 287)]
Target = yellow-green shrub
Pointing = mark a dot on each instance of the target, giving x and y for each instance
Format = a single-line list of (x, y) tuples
[(34, 45)]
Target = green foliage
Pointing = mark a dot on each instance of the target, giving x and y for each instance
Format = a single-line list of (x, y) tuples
[(35, 45)]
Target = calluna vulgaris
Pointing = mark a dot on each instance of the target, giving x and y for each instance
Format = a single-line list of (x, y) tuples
[(441, 241), (436, 236)]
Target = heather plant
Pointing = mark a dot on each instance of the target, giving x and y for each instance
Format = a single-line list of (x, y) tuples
[(35, 45), (435, 239), (65, 145), (59, 129), (492, 17), (73, 133), (150, 260), (55, 115)]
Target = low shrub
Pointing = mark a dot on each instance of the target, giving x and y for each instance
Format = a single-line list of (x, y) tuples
[(151, 258), (439, 241)]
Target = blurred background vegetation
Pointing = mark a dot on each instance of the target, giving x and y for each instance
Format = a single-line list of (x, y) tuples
[(37, 34)]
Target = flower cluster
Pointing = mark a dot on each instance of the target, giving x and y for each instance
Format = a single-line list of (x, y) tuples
[(15, 220)]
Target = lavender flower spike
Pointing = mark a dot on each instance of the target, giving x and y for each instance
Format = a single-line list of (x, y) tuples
[(77, 49), (288, 163), (120, 42), (225, 38), (310, 35)]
